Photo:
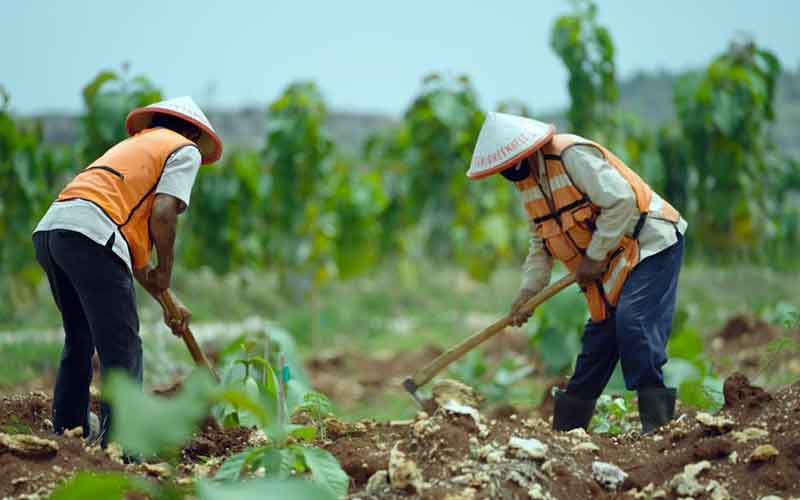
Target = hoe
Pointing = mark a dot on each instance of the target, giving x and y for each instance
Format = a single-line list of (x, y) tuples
[(169, 303), (425, 374)]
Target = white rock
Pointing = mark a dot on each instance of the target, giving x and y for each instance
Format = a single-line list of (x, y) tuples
[(465, 494), (426, 427), (448, 390), (579, 433), (75, 432), (719, 423), (536, 492), (114, 452), (27, 445), (608, 475), (547, 468), (649, 492), (717, 491), (733, 457), (749, 434), (157, 470), (377, 482), (258, 438), (587, 446), (763, 453), (685, 483), (532, 448), (453, 407), (403, 472)]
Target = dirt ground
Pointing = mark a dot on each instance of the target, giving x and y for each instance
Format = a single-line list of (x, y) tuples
[(29, 476), (458, 453), (742, 345), (750, 449), (350, 377)]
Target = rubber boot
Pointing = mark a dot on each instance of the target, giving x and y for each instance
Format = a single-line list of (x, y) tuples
[(656, 407), (571, 412)]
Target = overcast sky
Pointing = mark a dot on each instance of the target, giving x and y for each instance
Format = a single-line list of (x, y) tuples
[(365, 55)]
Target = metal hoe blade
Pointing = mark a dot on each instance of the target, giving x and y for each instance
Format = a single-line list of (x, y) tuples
[(411, 388)]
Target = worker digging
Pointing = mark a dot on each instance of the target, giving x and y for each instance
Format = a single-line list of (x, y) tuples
[(623, 242), (99, 234)]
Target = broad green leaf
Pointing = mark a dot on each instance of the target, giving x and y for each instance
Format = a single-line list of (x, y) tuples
[(295, 395), (232, 468), (686, 344), (677, 370), (303, 432), (110, 485), (135, 412), (249, 408), (326, 471), (277, 462), (263, 489)]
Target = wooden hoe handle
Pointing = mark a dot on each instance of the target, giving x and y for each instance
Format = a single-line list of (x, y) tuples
[(170, 304), (425, 374)]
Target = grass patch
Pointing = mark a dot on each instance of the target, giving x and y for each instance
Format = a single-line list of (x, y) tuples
[(15, 426), (386, 310), (27, 359)]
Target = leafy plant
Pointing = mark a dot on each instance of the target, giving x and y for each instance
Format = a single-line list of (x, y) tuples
[(557, 330), (177, 416), (30, 171), (262, 489), (267, 401), (611, 415), (103, 485), (433, 209), (262, 397), (586, 49), (108, 99), (690, 370), (724, 113)]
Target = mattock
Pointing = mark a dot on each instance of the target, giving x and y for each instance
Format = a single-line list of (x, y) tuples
[(426, 374), (170, 304)]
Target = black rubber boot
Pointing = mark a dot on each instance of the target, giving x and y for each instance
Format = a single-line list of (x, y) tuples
[(571, 412), (656, 407)]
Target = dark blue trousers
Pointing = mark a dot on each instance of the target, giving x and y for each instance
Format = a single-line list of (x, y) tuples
[(93, 289), (636, 332)]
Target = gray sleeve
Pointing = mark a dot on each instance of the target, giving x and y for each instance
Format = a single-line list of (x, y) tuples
[(538, 264), (180, 173)]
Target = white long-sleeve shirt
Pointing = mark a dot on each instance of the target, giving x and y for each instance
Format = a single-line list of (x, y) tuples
[(619, 213), (86, 218)]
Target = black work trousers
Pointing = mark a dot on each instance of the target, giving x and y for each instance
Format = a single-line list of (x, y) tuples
[(93, 289)]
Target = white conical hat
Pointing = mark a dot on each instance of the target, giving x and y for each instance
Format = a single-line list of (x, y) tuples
[(504, 140), (185, 108)]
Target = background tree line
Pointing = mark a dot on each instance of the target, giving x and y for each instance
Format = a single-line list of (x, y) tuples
[(312, 211)]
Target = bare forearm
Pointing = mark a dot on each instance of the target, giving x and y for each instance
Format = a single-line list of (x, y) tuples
[(162, 230), (163, 223)]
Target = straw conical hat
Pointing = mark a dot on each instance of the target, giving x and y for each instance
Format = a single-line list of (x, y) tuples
[(185, 108), (504, 140)]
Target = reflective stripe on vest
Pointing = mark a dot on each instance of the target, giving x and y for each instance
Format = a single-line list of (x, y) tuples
[(565, 218), (122, 184)]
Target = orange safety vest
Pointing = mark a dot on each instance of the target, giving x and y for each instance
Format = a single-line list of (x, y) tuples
[(122, 183), (564, 218)]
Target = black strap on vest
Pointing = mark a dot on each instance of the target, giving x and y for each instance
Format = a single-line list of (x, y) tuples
[(565, 208), (639, 225)]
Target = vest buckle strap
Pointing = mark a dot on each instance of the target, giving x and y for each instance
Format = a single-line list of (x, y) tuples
[(639, 225), (565, 208)]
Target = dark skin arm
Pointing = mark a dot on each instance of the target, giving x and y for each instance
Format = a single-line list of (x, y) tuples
[(163, 224)]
